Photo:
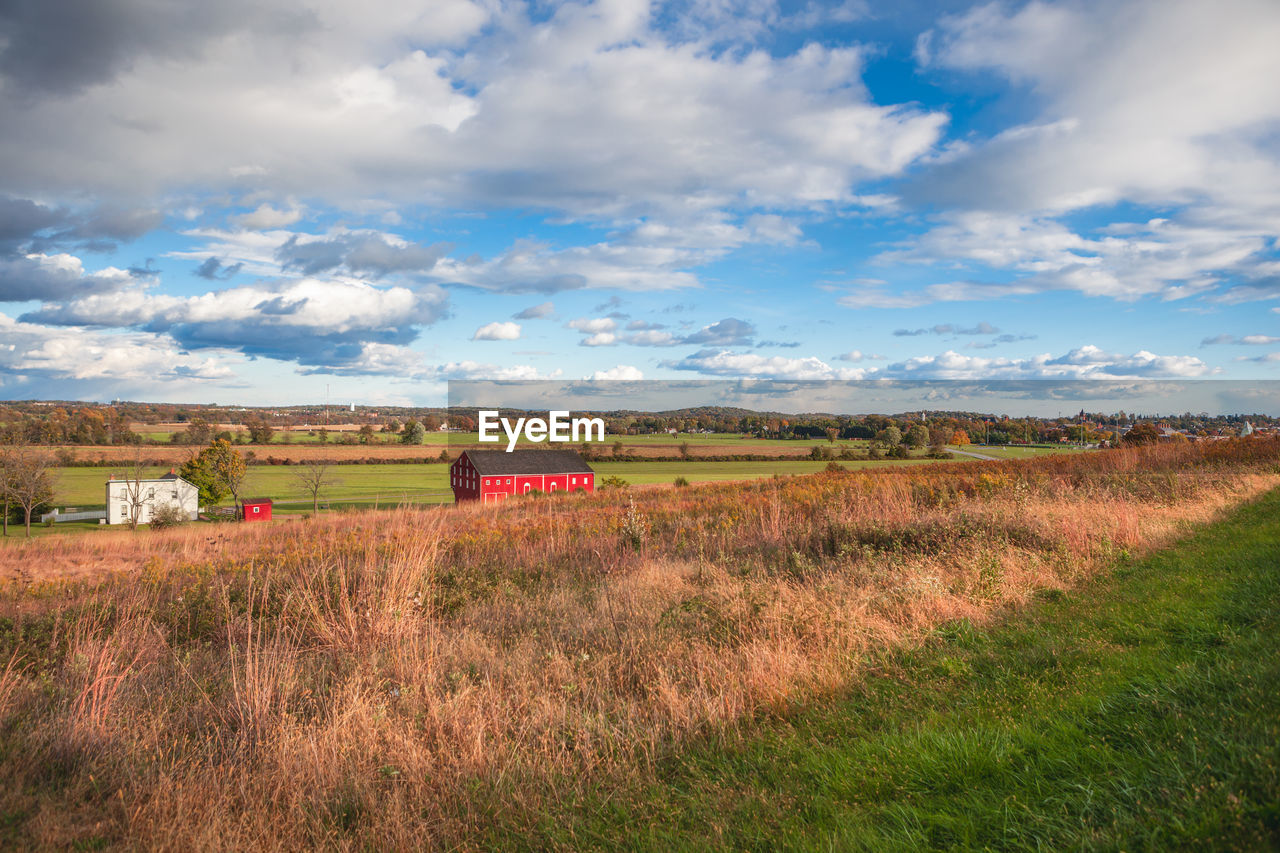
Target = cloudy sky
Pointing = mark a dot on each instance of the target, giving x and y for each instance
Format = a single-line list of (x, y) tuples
[(260, 201)]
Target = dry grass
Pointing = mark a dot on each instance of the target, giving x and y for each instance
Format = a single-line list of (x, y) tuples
[(399, 679)]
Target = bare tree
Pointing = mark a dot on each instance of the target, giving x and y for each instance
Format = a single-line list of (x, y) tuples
[(28, 480), (6, 463), (134, 495), (314, 476)]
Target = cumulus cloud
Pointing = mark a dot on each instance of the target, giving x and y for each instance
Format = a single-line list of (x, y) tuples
[(266, 216), (726, 333), (856, 356), (1087, 362), (497, 331), (369, 254), (535, 267), (33, 352), (619, 372), (55, 277), (1136, 102), (726, 363), (317, 323), (351, 101), (593, 325)]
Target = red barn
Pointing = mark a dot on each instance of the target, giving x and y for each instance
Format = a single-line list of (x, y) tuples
[(490, 476), (255, 509)]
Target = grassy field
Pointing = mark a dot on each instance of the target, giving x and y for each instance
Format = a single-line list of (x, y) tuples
[(1138, 712), (429, 483), (893, 657)]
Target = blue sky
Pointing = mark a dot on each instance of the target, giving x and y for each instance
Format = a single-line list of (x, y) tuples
[(262, 202)]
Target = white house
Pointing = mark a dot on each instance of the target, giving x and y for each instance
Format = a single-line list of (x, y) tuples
[(148, 495)]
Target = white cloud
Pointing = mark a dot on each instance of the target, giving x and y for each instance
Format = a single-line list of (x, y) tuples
[(55, 277), (33, 351), (619, 372), (599, 339), (726, 363), (593, 325), (266, 216), (1086, 362), (478, 370), (497, 331), (1147, 102), (318, 323), (589, 110), (1128, 261)]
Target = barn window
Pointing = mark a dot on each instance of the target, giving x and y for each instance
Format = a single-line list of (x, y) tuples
[(508, 481), (573, 479)]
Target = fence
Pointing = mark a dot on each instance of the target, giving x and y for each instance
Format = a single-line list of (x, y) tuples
[(89, 515)]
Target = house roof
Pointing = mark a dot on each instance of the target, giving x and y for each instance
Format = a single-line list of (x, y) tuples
[(166, 478), (528, 462)]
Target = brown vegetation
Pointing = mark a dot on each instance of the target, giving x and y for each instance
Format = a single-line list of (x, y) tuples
[(398, 679)]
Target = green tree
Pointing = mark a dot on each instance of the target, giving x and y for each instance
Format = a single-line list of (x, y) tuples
[(217, 471), (890, 436), (413, 433), (260, 432), (918, 435)]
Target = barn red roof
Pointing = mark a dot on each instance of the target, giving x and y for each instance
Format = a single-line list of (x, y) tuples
[(528, 462)]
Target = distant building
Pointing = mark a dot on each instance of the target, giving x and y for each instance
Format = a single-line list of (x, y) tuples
[(124, 497), (255, 509), (490, 476)]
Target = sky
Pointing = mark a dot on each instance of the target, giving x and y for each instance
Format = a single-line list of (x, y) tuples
[(258, 202)]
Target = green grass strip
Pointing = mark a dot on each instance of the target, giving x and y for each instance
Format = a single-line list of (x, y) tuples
[(1138, 712)]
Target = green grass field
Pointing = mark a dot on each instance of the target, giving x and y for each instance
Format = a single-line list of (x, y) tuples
[(396, 483), (1140, 711)]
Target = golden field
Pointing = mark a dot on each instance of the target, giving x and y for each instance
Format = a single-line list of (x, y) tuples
[(398, 679)]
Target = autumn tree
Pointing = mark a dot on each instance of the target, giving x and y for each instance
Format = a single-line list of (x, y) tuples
[(260, 432), (27, 481), (890, 436), (216, 471), (1142, 433)]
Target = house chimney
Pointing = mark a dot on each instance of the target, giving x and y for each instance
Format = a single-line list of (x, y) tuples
[(172, 471)]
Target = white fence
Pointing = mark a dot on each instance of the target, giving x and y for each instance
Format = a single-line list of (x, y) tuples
[(89, 515)]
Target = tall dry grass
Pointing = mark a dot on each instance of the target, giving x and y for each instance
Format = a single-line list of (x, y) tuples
[(401, 679)]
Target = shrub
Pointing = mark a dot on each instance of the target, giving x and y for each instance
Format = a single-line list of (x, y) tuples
[(682, 481), (167, 516)]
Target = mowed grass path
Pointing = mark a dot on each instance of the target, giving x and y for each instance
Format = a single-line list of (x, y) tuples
[(429, 483), (1140, 711)]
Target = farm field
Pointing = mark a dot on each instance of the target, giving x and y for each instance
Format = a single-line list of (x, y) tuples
[(428, 483), (1041, 707), (895, 654)]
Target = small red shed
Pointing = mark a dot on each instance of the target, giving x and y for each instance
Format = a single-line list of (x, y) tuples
[(490, 476), (255, 509)]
